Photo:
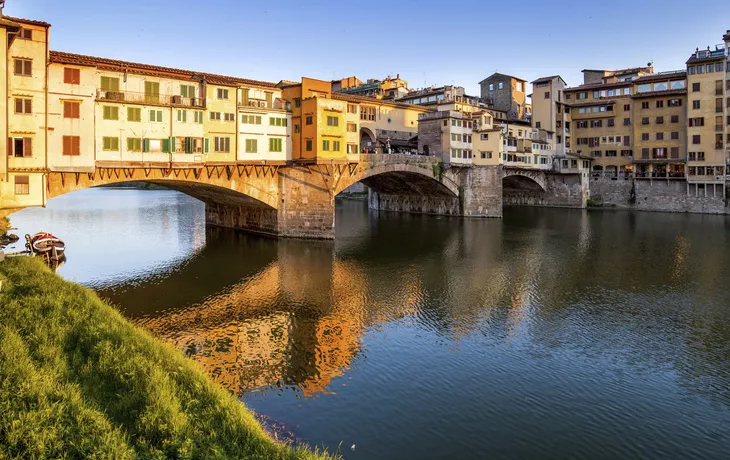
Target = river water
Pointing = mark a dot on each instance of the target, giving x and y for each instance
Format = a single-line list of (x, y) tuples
[(548, 334)]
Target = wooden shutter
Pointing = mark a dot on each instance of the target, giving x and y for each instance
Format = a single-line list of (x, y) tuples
[(76, 145), (207, 145), (66, 145), (28, 105), (18, 105), (184, 90), (28, 147), (172, 145), (10, 146), (159, 115), (165, 145), (18, 67)]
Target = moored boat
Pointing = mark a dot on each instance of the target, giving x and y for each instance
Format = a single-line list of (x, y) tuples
[(45, 243)]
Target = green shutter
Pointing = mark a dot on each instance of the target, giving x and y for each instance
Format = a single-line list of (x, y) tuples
[(184, 90), (272, 121), (165, 145), (258, 120), (207, 145), (185, 116), (145, 145), (152, 115), (172, 145), (283, 121), (159, 115)]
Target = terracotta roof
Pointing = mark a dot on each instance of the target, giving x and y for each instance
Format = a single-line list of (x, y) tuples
[(544, 79), (372, 100), (716, 57), (668, 92), (679, 75), (598, 85), (28, 21), (147, 69)]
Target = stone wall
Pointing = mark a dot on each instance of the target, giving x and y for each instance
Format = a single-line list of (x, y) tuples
[(561, 190), (440, 205), (257, 219), (481, 190), (658, 195)]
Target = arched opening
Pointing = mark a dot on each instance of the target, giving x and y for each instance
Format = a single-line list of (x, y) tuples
[(518, 190), (597, 171), (367, 141), (611, 171)]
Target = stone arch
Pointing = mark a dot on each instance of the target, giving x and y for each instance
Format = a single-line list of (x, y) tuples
[(367, 135), (410, 178), (527, 179)]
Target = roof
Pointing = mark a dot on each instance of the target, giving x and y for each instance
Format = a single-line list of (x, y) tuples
[(147, 69), (551, 78), (716, 55), (592, 103), (676, 75), (669, 92), (372, 100), (27, 21), (618, 71), (495, 74), (599, 85)]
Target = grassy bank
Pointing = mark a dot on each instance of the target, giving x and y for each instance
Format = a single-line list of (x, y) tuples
[(77, 380)]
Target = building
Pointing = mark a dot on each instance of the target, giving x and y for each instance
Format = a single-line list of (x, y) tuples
[(447, 134), (551, 113), (389, 88), (507, 94), (487, 139), (446, 97), (659, 120), (606, 76), (708, 116)]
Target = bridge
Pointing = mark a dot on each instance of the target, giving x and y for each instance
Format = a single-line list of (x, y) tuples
[(298, 199)]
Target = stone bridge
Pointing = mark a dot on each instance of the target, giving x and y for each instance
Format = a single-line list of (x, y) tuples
[(537, 187), (298, 200)]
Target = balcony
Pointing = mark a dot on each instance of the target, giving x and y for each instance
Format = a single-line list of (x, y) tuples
[(253, 102), (150, 99)]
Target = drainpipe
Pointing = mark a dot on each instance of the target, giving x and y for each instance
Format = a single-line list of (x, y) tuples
[(45, 93)]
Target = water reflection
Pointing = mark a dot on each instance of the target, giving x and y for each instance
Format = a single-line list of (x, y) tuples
[(427, 337)]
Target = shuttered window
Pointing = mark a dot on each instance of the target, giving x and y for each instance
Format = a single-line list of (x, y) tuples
[(109, 84), (275, 144), (20, 147), (71, 109), (251, 145), (134, 144), (182, 116), (335, 146), (71, 145), (110, 144), (156, 115), (111, 112), (222, 144), (187, 91), (23, 105), (71, 76), (23, 67), (134, 114), (22, 185), (152, 91), (25, 34)]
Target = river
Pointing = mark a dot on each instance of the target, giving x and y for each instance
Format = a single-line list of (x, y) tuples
[(550, 333)]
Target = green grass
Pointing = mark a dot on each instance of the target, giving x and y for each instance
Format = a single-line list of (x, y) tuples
[(79, 381), (4, 225)]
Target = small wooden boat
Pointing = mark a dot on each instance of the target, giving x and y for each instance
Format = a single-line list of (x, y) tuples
[(45, 244)]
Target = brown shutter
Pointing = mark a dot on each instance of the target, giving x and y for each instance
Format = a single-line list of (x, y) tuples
[(28, 147), (18, 105), (77, 110), (65, 150), (66, 75), (10, 146), (76, 145), (18, 67), (28, 105)]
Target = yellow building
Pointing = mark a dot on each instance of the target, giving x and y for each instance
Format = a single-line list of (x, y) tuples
[(551, 113), (487, 140), (22, 174), (707, 109)]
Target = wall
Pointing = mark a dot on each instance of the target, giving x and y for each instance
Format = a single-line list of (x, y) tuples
[(414, 203), (658, 195), (3, 111), (221, 128), (561, 190)]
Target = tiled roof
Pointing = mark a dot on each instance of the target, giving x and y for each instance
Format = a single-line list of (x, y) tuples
[(669, 92), (544, 79), (147, 69), (679, 75), (598, 85), (372, 100), (27, 21), (712, 56)]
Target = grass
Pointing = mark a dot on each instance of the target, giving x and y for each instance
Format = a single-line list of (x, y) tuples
[(4, 225), (79, 381)]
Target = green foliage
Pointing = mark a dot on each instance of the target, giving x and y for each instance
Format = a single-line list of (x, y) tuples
[(438, 169), (77, 380)]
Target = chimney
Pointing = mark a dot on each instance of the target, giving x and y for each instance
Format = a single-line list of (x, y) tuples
[(2, 4)]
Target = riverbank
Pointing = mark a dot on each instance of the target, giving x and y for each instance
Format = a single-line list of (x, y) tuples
[(78, 380)]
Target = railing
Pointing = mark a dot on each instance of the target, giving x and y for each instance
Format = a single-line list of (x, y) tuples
[(155, 99), (253, 102)]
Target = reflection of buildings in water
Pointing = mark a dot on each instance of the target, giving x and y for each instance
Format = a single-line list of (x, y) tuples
[(261, 333)]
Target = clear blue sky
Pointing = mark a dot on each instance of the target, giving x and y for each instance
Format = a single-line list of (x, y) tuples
[(427, 42)]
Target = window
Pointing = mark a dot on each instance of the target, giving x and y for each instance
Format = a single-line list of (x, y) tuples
[(627, 140), (660, 120), (500, 85), (25, 34), (197, 117), (71, 146), (251, 119), (275, 144), (367, 113), (547, 94), (134, 144), (187, 91), (309, 145), (691, 70), (645, 105), (222, 144), (22, 147), (660, 136), (351, 148), (537, 125), (297, 102), (229, 117), (326, 145), (156, 115), (627, 153), (23, 106), (627, 121), (695, 87), (675, 135), (152, 92), (134, 114), (110, 144), (710, 68), (351, 108), (610, 122), (645, 121), (627, 107), (645, 153), (22, 185), (308, 120), (24, 67), (596, 123), (700, 69), (332, 121), (491, 87), (252, 145), (71, 76), (718, 105), (659, 104), (213, 116), (182, 116), (351, 128), (611, 153), (296, 129), (71, 109), (699, 121), (222, 93), (596, 153), (674, 152), (335, 146), (696, 139), (109, 84), (110, 113), (276, 121), (644, 136)]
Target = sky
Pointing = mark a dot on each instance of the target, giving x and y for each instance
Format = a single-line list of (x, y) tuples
[(427, 42)]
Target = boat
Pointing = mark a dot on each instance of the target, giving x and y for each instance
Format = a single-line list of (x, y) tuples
[(45, 244)]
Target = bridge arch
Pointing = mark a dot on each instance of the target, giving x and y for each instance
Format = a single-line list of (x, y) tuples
[(367, 139), (412, 179), (524, 179)]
